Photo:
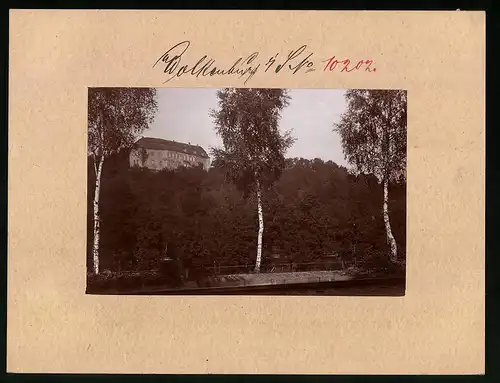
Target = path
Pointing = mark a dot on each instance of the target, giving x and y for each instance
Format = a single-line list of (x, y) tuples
[(264, 279)]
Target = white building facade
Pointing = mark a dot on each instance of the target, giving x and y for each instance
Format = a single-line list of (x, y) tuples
[(158, 154)]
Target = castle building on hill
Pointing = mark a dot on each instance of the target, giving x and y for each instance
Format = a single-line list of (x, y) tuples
[(158, 154)]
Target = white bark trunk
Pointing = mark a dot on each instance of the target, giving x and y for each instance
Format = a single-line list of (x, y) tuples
[(390, 238), (95, 249), (261, 229)]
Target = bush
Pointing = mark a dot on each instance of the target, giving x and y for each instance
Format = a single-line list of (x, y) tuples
[(375, 261), (312, 209)]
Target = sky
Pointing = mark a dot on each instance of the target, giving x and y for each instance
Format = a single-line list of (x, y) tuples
[(183, 116)]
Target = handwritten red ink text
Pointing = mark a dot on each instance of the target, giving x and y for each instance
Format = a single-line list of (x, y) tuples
[(347, 65)]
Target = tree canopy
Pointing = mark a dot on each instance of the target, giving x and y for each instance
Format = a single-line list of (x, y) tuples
[(373, 132), (116, 116), (253, 146)]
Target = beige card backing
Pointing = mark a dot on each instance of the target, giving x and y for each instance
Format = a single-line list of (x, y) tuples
[(438, 327)]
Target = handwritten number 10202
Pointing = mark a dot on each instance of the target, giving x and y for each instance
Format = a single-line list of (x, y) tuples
[(347, 65)]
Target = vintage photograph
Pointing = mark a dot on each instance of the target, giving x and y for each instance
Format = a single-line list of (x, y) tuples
[(246, 191)]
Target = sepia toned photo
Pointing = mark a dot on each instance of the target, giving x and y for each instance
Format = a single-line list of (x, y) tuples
[(246, 191)]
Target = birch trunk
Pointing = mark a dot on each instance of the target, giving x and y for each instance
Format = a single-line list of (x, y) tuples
[(95, 249), (261, 229), (390, 238)]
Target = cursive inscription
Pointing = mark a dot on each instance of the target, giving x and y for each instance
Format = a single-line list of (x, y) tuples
[(205, 66), (293, 61), (296, 61)]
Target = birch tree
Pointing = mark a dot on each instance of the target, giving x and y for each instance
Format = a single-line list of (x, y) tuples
[(116, 116), (253, 152), (373, 134)]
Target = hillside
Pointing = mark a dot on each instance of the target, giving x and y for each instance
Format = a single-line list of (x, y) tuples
[(314, 209)]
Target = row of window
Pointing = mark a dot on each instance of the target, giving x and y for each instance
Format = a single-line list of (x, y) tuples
[(163, 162), (174, 155)]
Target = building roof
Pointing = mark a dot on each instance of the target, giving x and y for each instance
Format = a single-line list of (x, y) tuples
[(161, 144)]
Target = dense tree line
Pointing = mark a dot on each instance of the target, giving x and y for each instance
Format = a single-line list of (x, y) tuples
[(313, 209)]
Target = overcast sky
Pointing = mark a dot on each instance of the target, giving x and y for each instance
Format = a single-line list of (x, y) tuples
[(183, 116)]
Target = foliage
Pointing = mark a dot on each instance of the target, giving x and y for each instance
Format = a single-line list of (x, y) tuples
[(373, 132), (310, 211), (116, 116), (253, 146)]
